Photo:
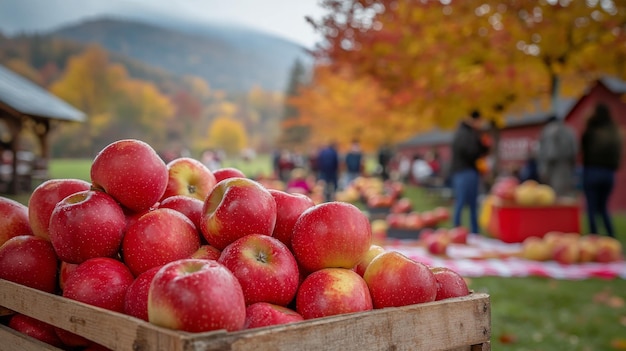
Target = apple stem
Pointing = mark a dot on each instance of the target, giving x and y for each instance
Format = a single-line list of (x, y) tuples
[(191, 189)]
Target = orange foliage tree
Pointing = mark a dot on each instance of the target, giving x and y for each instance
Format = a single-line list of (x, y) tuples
[(433, 61)]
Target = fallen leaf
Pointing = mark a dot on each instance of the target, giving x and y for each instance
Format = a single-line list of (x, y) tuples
[(507, 338), (618, 344)]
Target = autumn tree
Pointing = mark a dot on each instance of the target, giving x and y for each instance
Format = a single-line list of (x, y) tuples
[(439, 59), (116, 105), (292, 131), (228, 134)]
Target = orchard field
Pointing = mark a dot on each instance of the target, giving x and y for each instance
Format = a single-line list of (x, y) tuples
[(527, 313)]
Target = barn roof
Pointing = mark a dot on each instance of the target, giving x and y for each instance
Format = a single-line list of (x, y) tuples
[(28, 98), (562, 109)]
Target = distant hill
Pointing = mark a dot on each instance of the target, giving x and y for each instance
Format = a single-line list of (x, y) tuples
[(228, 58)]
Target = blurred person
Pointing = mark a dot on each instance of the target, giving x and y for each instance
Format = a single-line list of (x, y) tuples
[(601, 153), (211, 160), (285, 165), (556, 159), (432, 158), (354, 162), (421, 171), (298, 182), (467, 149), (385, 154), (328, 165)]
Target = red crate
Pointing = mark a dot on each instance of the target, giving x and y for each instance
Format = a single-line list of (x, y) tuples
[(513, 224)]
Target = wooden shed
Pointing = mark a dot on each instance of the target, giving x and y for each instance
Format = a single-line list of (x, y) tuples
[(520, 134), (25, 106)]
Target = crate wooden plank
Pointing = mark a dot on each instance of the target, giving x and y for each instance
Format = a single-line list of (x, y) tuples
[(456, 324), (18, 341)]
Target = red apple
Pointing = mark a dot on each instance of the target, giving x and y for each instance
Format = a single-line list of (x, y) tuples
[(132, 172), (403, 205), (331, 234), (136, 298), (265, 268), (458, 235), (437, 244), (29, 260), (34, 328), (235, 208), (504, 188), (196, 296), (441, 214), (289, 207), (449, 283), (396, 280), (332, 291), (14, 219), (566, 251), (414, 220), (263, 314), (64, 271), (428, 218), (609, 250), (228, 172), (100, 282), (373, 251), (85, 225), (187, 205), (189, 177), (159, 237), (45, 197), (207, 252), (396, 220)]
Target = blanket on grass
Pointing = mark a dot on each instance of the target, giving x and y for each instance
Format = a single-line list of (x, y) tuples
[(490, 257)]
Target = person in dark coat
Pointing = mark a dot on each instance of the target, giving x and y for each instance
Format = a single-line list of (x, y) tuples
[(556, 157), (354, 162), (601, 153), (467, 148), (328, 166)]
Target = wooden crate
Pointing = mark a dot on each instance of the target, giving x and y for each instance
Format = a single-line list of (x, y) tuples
[(455, 324)]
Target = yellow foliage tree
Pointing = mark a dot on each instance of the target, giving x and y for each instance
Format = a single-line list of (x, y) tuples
[(228, 134)]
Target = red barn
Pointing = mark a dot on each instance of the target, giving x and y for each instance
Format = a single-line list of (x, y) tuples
[(520, 133)]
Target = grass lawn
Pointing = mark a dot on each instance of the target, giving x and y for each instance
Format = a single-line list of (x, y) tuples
[(527, 313)]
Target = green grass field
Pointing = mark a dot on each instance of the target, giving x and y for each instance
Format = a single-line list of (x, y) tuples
[(527, 313)]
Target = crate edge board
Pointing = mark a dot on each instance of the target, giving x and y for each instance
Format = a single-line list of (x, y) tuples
[(125, 332), (21, 342)]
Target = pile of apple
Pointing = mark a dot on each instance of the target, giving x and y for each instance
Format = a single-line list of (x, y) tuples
[(528, 193), (376, 193), (571, 248), (416, 220), (437, 241), (189, 249)]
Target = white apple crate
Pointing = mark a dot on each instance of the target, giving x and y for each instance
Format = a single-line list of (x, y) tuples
[(455, 324)]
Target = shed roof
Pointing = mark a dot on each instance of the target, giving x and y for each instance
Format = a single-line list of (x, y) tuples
[(28, 98)]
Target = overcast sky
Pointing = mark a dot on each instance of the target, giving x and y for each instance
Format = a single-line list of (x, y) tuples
[(284, 18)]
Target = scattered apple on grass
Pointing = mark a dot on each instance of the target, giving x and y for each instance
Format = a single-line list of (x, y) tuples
[(14, 219), (332, 291), (189, 177), (159, 237), (31, 261), (196, 295), (237, 207), (263, 314), (395, 280), (86, 225), (45, 196), (132, 172), (265, 268), (331, 234)]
